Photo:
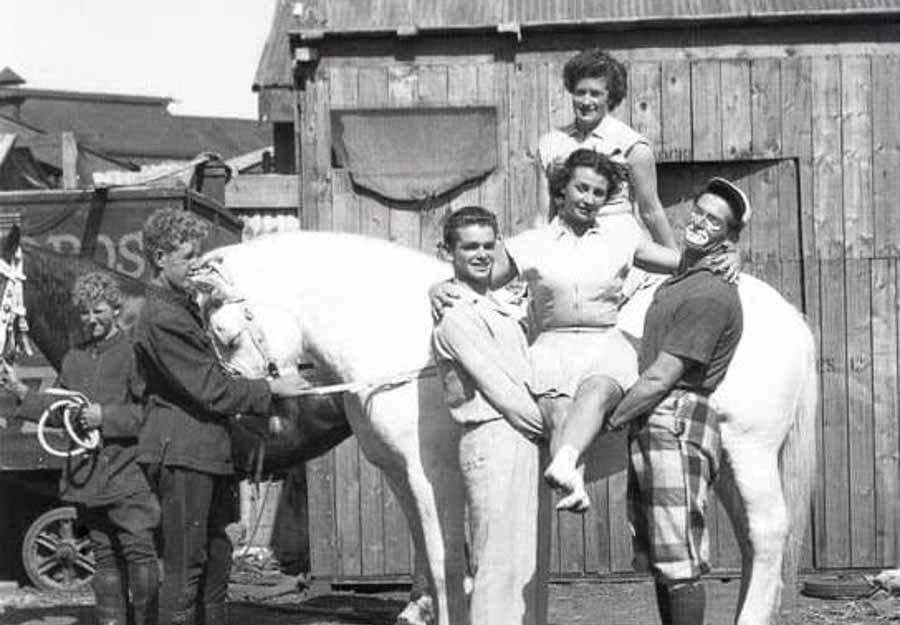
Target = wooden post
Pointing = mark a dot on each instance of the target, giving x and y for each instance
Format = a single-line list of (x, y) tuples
[(69, 149)]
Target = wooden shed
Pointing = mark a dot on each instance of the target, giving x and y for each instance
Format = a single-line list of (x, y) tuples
[(797, 100)]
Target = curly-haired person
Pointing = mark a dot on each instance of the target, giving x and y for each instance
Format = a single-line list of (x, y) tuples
[(598, 83), (185, 440), (114, 500)]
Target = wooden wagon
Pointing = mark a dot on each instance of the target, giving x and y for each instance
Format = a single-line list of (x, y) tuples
[(103, 225)]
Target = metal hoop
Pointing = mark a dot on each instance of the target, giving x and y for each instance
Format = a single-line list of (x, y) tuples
[(67, 404)]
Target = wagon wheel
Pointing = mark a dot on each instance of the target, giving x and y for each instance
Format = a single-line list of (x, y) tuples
[(55, 558)]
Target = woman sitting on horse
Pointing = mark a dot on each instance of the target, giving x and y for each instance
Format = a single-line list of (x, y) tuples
[(598, 83), (575, 268)]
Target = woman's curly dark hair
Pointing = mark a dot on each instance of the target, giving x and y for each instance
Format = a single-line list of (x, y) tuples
[(561, 174), (595, 63)]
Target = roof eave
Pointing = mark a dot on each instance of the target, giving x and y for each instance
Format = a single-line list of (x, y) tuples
[(310, 36)]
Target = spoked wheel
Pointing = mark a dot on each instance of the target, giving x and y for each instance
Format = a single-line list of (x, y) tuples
[(55, 558)]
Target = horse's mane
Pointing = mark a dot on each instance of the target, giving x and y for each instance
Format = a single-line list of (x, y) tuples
[(53, 320)]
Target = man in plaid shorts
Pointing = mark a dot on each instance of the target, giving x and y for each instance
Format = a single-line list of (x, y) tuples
[(690, 334)]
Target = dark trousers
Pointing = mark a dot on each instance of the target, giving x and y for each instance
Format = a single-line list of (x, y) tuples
[(290, 535), (196, 551), (122, 532)]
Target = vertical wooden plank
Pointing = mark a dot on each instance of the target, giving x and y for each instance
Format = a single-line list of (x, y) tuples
[(493, 86), (675, 112), (560, 100), (623, 111), (812, 296), (398, 557), (886, 157), (349, 528), (571, 542), (404, 222), (827, 172), (765, 108), (462, 87), (706, 110), (371, 514), (523, 139), (886, 409), (796, 141), (306, 135), (856, 154), (765, 226), (321, 170), (645, 87), (375, 222), (859, 416), (618, 535), (834, 394), (790, 224), (736, 104), (343, 85), (373, 92), (432, 89), (322, 517), (69, 149), (606, 456)]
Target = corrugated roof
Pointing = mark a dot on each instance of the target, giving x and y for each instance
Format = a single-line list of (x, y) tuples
[(386, 16)]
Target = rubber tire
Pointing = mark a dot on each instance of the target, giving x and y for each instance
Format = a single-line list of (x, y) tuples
[(844, 588), (41, 581)]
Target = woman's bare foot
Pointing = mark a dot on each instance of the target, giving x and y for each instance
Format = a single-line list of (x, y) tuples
[(564, 475)]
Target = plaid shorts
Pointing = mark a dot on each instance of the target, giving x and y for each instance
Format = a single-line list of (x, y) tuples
[(674, 459)]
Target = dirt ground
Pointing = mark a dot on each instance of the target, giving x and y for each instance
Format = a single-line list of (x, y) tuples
[(274, 601)]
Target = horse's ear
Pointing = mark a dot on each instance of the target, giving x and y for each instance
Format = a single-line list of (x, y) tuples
[(11, 242)]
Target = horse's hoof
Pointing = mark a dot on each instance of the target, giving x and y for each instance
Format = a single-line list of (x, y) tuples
[(418, 612)]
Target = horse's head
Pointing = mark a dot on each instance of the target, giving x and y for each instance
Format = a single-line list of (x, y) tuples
[(253, 338)]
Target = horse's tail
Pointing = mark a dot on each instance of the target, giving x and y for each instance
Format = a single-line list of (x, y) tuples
[(797, 462)]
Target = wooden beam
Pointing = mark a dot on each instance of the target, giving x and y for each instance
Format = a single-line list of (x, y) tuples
[(260, 191)]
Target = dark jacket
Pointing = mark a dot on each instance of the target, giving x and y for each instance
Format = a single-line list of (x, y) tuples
[(105, 373), (189, 395)]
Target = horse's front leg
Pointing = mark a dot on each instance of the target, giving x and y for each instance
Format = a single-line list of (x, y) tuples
[(755, 502), (413, 441)]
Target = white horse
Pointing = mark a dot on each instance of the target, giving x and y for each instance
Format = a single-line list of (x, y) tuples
[(357, 308)]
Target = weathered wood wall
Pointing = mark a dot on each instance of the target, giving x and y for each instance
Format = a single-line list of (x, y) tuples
[(814, 138)]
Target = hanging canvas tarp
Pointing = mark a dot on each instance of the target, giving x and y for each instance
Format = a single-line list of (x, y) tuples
[(416, 153)]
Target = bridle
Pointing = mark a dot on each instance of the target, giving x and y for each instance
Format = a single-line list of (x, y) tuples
[(13, 323), (211, 278)]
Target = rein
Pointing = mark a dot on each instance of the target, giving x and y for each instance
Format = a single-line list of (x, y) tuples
[(393, 380)]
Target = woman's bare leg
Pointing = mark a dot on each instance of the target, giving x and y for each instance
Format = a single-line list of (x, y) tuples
[(573, 434)]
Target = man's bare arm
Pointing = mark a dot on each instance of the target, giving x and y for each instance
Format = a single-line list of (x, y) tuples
[(652, 387)]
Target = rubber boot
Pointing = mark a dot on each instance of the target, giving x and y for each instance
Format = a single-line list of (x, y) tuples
[(110, 600), (663, 604), (143, 581), (688, 604), (215, 614)]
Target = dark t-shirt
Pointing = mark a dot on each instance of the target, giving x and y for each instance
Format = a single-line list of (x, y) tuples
[(696, 316)]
